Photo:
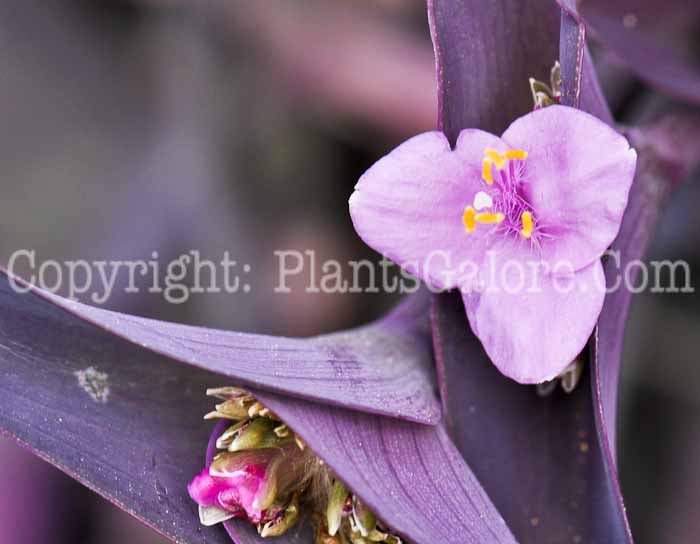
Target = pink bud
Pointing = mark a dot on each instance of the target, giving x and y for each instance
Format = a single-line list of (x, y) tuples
[(235, 481)]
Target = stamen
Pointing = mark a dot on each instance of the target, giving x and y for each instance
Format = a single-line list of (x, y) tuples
[(526, 219), (486, 171), (519, 154), (498, 159), (510, 204), (489, 218), (469, 219)]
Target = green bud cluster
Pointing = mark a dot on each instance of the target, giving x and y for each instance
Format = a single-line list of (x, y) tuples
[(544, 95)]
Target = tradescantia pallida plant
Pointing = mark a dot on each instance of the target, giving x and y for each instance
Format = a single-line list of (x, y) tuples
[(402, 430)]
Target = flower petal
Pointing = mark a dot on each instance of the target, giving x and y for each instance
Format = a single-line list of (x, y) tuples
[(410, 204), (533, 324), (385, 367), (204, 489), (579, 173)]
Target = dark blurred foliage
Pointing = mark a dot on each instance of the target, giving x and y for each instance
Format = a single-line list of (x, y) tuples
[(161, 125)]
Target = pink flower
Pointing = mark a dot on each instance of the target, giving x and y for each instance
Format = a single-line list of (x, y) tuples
[(518, 223), (246, 483)]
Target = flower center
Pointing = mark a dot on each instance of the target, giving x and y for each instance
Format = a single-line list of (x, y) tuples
[(506, 207)]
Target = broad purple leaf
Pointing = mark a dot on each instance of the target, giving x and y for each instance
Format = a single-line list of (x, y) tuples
[(653, 38), (384, 368), (122, 420), (485, 53), (126, 421)]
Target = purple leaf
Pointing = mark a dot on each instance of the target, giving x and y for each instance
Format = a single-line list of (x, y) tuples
[(411, 476), (547, 462), (544, 461), (538, 458), (126, 421), (384, 368), (670, 152), (120, 419), (613, 518), (485, 53), (650, 37), (579, 81)]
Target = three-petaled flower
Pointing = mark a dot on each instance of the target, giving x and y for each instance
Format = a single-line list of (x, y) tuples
[(519, 223)]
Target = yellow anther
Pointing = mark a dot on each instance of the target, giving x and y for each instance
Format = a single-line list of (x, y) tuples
[(498, 159), (489, 218), (516, 154), (526, 219), (486, 171), (469, 219)]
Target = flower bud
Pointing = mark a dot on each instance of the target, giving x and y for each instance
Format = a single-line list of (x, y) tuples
[(337, 507), (268, 476), (283, 521), (363, 521), (258, 433), (247, 483)]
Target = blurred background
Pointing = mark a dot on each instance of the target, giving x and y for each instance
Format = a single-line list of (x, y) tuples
[(153, 125)]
